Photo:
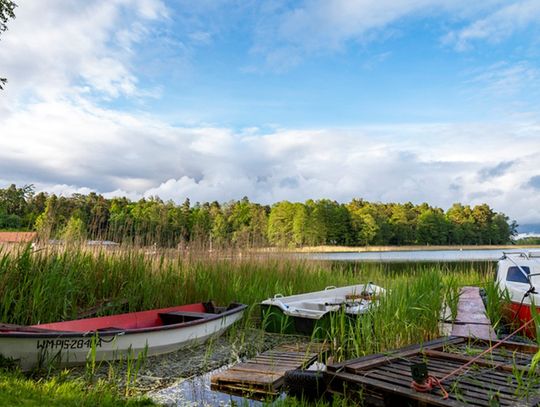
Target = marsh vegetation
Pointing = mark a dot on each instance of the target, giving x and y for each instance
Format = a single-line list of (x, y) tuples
[(53, 284)]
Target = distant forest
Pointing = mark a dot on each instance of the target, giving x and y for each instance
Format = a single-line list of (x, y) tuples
[(243, 223)]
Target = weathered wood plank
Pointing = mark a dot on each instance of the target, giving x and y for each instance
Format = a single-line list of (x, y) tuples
[(263, 374), (434, 399), (411, 349), (382, 359), (480, 362), (471, 320)]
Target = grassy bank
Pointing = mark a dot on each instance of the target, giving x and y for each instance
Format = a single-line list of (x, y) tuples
[(52, 285), (18, 390)]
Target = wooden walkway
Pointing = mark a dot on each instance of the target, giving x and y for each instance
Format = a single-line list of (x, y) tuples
[(472, 320), (385, 379), (262, 376)]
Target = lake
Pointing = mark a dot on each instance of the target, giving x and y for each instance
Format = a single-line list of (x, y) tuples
[(417, 255)]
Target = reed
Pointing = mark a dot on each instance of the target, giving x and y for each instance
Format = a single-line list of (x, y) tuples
[(52, 284)]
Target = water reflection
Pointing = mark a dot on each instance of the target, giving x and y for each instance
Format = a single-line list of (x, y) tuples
[(416, 255), (196, 392)]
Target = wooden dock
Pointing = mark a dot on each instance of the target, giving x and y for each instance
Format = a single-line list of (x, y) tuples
[(262, 376), (385, 379), (472, 320)]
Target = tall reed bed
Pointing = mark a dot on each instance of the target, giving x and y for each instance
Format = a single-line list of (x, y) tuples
[(51, 284)]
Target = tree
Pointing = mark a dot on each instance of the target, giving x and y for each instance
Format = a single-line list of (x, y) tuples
[(432, 227), (7, 11), (46, 222), (75, 230), (281, 224)]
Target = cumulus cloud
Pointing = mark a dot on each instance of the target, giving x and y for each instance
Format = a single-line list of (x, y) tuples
[(121, 154), (64, 48)]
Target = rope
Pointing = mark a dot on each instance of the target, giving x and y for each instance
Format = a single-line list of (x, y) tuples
[(433, 381), (428, 385), (529, 291)]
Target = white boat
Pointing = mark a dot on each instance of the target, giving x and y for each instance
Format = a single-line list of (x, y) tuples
[(519, 274), (305, 313), (118, 336)]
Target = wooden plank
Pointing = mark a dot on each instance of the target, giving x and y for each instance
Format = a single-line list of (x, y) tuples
[(366, 382), (433, 344), (471, 319), (472, 394), (369, 362), (468, 380), (517, 346), (479, 362), (246, 377)]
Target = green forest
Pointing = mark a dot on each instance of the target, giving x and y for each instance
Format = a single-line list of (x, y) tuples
[(151, 221)]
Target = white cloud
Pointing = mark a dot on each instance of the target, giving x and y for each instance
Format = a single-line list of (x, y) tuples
[(286, 35), (497, 25), (61, 48), (123, 154)]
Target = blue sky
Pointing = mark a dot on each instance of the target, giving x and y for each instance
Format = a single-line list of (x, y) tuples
[(222, 64), (390, 100)]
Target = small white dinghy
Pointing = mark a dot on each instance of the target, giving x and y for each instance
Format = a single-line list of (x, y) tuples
[(304, 313), (113, 337)]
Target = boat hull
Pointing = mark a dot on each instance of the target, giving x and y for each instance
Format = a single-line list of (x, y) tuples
[(522, 313), (312, 314), (31, 350), (276, 321)]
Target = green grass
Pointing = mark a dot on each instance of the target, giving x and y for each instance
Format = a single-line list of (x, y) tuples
[(18, 390)]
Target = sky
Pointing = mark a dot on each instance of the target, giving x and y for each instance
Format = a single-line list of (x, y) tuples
[(432, 101)]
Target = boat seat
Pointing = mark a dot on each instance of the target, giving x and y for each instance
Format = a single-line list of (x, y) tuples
[(179, 317)]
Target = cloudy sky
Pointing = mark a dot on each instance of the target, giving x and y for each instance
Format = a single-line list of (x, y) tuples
[(389, 100)]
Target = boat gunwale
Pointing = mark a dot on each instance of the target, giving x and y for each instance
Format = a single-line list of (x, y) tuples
[(128, 331)]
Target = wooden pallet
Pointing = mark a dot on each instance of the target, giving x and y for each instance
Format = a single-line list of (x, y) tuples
[(262, 376), (385, 379)]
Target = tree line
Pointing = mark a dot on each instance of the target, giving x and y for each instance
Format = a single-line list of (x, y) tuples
[(247, 224)]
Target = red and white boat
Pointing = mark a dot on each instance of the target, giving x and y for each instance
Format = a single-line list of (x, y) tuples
[(519, 274), (113, 337)]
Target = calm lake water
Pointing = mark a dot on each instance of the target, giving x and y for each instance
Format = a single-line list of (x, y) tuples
[(416, 255), (196, 392)]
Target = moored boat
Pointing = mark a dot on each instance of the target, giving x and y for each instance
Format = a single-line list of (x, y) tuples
[(519, 274), (113, 337), (311, 313)]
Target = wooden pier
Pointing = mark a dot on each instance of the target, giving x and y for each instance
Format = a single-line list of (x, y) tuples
[(472, 320), (262, 376), (385, 379)]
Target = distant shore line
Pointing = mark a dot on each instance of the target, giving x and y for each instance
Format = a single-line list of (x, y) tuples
[(363, 249)]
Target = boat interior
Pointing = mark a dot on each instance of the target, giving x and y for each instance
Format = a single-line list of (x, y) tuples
[(140, 320)]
